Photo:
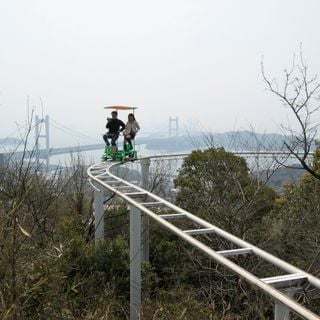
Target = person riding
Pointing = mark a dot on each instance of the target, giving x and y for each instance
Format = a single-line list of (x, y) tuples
[(114, 126), (131, 129)]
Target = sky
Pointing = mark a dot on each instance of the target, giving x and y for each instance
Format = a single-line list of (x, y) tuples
[(195, 59)]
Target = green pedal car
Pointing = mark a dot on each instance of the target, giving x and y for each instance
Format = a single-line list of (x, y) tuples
[(113, 153), (128, 153)]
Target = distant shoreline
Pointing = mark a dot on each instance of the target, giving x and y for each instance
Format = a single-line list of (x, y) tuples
[(10, 141)]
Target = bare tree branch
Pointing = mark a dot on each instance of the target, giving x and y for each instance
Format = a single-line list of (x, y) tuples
[(300, 93)]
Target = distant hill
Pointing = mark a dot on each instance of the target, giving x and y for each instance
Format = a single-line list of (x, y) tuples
[(10, 141), (283, 176), (235, 141), (232, 140)]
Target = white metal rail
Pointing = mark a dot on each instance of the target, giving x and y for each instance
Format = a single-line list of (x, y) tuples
[(142, 201)]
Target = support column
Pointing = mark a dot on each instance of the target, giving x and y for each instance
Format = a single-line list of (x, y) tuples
[(37, 136), (145, 172), (135, 263), (145, 176), (98, 214), (171, 128), (2, 163), (282, 312), (47, 143), (145, 238)]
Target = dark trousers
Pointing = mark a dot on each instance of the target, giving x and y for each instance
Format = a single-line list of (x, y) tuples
[(113, 136), (128, 138)]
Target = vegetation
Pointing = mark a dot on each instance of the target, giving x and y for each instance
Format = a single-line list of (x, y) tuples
[(299, 92), (50, 269)]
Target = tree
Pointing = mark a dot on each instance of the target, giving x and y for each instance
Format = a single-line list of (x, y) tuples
[(296, 225), (77, 187), (300, 92), (216, 185), (26, 210), (48, 268)]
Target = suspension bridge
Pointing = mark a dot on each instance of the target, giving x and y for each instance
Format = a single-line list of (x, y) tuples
[(42, 129), (42, 149)]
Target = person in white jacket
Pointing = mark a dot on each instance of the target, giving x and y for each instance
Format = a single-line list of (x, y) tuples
[(131, 129)]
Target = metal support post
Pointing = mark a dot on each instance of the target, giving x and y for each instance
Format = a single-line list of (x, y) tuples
[(135, 263), (47, 143), (282, 312), (145, 237), (171, 128), (98, 214), (145, 172), (2, 163), (145, 175), (37, 136)]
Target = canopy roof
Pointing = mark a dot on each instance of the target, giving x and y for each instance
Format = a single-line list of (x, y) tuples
[(121, 108)]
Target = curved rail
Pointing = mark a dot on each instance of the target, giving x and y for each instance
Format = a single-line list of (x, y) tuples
[(147, 202)]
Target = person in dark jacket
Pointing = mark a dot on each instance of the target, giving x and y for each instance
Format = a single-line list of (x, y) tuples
[(114, 126)]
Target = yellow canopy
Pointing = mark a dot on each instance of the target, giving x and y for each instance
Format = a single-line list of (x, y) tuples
[(121, 108)]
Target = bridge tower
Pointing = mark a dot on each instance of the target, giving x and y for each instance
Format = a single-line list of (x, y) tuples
[(38, 128), (173, 126)]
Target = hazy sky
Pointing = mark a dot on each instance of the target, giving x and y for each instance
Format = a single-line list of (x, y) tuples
[(196, 59)]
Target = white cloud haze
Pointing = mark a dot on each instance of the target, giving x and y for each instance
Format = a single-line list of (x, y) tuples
[(197, 59)]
